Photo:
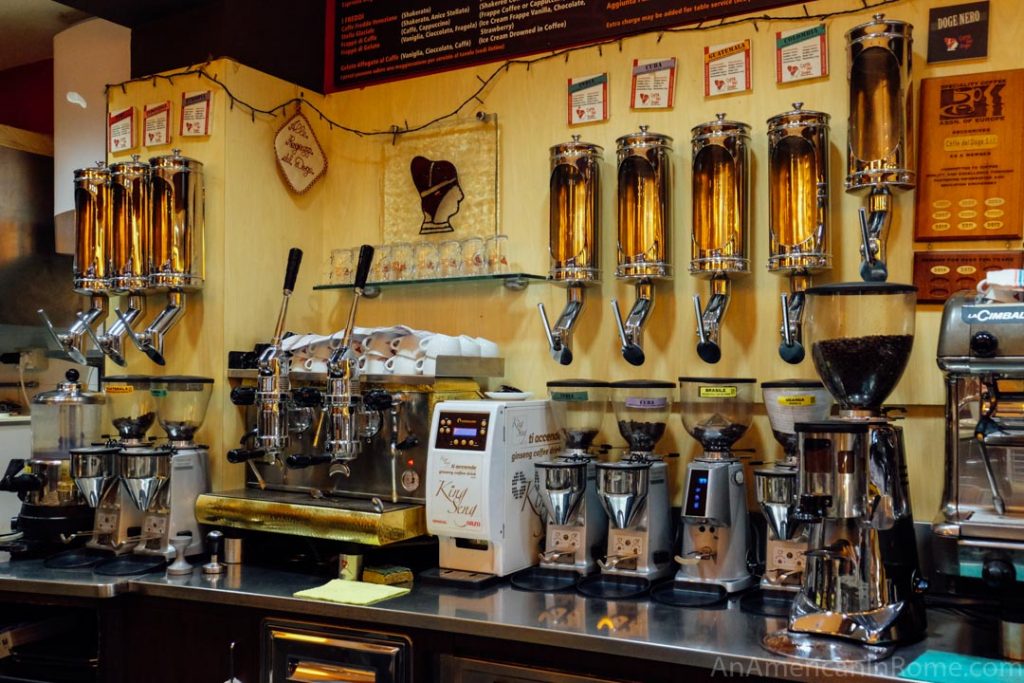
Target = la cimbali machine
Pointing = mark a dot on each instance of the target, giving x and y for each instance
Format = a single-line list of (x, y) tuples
[(342, 456), (861, 585), (980, 528), (139, 230), (54, 510), (576, 524), (634, 493)]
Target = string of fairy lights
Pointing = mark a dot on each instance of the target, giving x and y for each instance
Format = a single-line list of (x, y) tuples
[(476, 96)]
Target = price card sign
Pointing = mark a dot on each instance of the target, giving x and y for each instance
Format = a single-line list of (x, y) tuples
[(726, 68), (121, 129), (801, 54), (156, 129), (195, 113), (588, 99), (654, 83)]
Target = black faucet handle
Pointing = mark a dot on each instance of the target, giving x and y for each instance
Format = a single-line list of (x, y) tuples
[(298, 462), (291, 272), (243, 396), (239, 455)]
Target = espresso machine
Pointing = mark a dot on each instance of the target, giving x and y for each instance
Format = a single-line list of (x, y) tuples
[(644, 253), (480, 500), (879, 150), (713, 562), (574, 235), (798, 217), (576, 522), (54, 511), (786, 402), (634, 494), (720, 243), (861, 581), (979, 532)]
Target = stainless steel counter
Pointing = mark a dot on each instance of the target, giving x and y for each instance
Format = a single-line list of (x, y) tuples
[(723, 640)]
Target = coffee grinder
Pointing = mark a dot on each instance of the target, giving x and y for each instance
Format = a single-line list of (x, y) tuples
[(54, 510), (576, 522), (179, 475), (786, 402), (634, 494), (716, 412), (861, 581)]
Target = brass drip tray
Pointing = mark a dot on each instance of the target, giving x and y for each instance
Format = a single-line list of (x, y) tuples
[(335, 518)]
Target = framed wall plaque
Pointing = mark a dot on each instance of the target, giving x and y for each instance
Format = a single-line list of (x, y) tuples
[(971, 171)]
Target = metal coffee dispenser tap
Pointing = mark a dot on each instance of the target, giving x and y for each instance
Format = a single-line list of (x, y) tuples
[(179, 257), (574, 231), (644, 229), (92, 257), (131, 249), (273, 386), (719, 243), (798, 218), (880, 153)]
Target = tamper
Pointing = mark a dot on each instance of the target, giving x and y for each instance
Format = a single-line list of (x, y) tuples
[(180, 566), (215, 541)]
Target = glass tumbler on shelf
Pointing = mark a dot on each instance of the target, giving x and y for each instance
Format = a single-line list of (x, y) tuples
[(403, 262), (380, 270), (427, 261), (342, 267), (450, 253), (474, 259), (496, 248)]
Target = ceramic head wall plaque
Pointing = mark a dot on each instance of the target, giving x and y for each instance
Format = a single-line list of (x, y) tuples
[(440, 193)]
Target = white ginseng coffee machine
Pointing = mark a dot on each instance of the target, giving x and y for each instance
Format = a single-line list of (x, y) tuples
[(481, 502), (576, 522)]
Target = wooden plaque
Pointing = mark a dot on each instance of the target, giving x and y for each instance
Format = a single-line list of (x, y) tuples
[(972, 157), (938, 274)]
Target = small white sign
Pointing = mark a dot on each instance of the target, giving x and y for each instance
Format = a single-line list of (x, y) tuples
[(299, 156), (726, 68), (801, 54), (588, 99), (654, 83), (121, 129), (156, 127), (195, 113)]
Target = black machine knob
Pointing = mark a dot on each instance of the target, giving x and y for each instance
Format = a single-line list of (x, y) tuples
[(411, 441), (377, 399), (72, 375), (307, 397), (998, 572), (243, 396), (984, 344)]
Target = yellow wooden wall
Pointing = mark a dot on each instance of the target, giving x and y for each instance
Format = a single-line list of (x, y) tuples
[(252, 220)]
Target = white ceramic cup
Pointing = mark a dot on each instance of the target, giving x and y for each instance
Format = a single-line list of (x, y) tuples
[(468, 346), (314, 365), (435, 345), (488, 349), (371, 363), (426, 366), (408, 345), (379, 342), (401, 365)]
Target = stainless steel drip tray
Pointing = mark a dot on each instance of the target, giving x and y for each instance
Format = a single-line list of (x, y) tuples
[(986, 524), (334, 517)]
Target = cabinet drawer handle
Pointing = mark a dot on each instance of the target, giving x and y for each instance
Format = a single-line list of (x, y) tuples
[(318, 672)]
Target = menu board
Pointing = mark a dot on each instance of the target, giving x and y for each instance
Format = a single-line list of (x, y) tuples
[(370, 41), (972, 146)]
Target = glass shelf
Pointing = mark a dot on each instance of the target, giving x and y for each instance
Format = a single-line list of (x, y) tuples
[(513, 281)]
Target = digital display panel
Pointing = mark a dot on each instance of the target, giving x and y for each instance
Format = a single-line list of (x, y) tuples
[(696, 503), (463, 431)]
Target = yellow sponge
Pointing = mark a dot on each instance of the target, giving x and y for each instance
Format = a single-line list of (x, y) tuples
[(388, 574)]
